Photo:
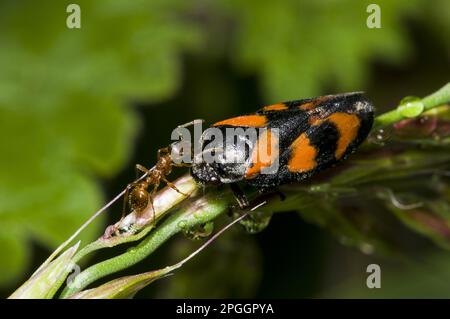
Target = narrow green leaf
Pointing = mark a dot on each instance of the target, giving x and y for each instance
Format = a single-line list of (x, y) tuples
[(431, 220), (125, 287), (45, 283)]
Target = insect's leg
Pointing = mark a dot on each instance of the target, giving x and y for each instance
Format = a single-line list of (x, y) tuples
[(141, 168), (282, 196), (194, 122), (272, 190), (153, 209), (124, 206), (172, 185), (155, 188), (162, 151), (125, 198), (239, 196)]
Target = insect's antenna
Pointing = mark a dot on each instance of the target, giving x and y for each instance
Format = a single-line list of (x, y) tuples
[(79, 230)]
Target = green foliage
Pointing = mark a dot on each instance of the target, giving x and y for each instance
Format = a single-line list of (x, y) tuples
[(64, 119), (125, 287), (436, 18), (298, 47)]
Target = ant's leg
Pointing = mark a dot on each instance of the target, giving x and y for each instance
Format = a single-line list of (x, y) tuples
[(155, 188), (153, 208), (272, 190), (172, 185), (141, 168), (239, 196), (161, 151), (125, 198), (197, 121), (166, 151), (282, 195)]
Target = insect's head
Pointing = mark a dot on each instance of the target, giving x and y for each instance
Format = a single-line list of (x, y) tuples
[(205, 173), (220, 164)]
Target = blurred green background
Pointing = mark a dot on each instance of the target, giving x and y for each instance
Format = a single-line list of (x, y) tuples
[(79, 107)]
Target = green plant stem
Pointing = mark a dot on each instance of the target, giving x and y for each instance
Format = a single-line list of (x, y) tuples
[(201, 211), (209, 207), (141, 224), (440, 97)]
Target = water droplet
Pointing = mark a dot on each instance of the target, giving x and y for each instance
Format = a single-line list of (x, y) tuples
[(256, 222), (182, 224), (379, 136), (344, 240), (367, 248), (199, 231), (411, 106)]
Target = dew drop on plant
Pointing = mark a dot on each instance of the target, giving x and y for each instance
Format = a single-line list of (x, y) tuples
[(344, 240), (318, 188), (366, 248), (411, 106), (199, 231), (423, 126), (256, 222), (379, 136)]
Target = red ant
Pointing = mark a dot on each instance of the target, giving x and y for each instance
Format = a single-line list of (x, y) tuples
[(137, 195)]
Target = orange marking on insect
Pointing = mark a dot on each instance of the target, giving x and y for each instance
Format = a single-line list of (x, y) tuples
[(303, 156), (246, 120), (315, 120), (307, 106), (264, 154), (314, 103), (347, 126), (275, 107)]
